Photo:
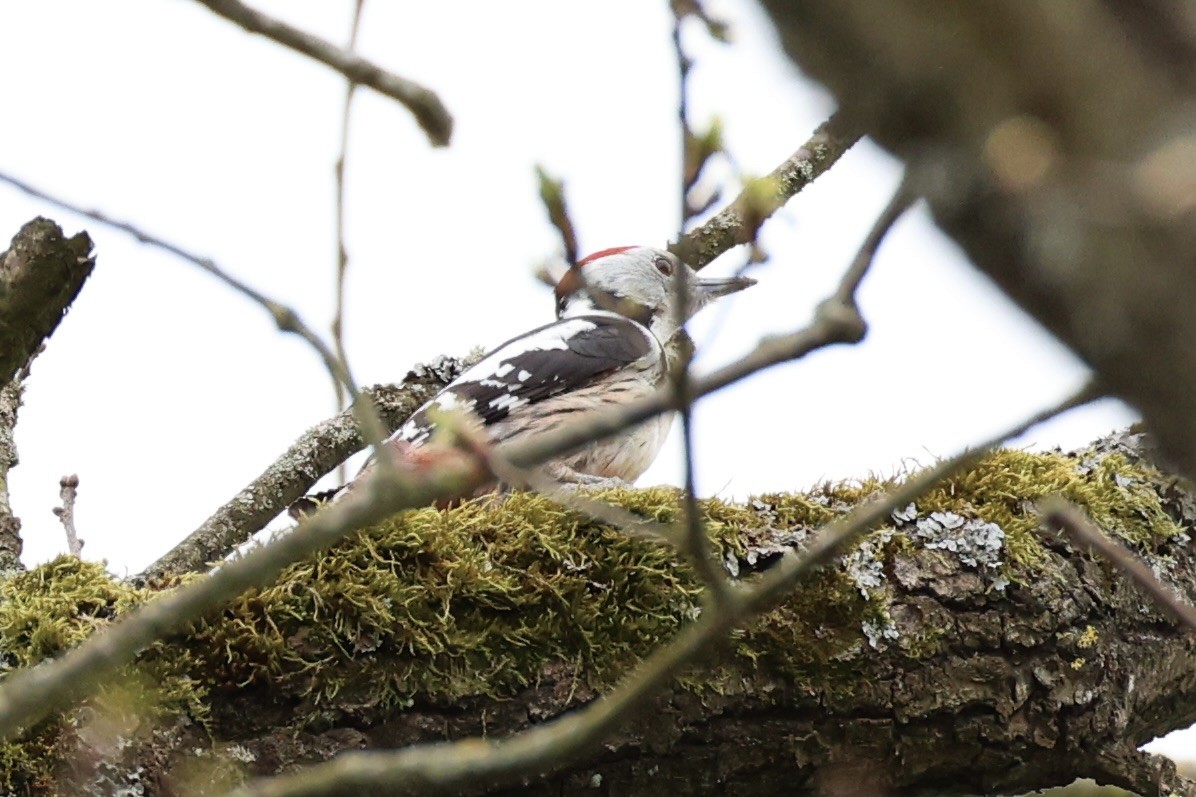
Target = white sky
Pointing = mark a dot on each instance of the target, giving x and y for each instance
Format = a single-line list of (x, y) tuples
[(167, 393)]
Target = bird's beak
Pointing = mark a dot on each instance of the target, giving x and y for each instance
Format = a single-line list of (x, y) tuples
[(707, 290)]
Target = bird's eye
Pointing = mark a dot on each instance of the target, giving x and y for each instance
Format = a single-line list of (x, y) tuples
[(664, 266)]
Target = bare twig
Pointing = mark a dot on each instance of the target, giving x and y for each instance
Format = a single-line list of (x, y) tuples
[(689, 175), (901, 201), (1060, 514), (441, 768), (342, 252), (68, 487), (429, 111), (285, 317), (739, 222), (695, 543), (696, 150)]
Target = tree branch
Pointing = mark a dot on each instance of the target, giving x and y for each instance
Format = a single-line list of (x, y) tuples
[(284, 317), (40, 275), (739, 222), (427, 108)]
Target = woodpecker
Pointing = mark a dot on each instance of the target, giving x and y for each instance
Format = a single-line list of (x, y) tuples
[(618, 333)]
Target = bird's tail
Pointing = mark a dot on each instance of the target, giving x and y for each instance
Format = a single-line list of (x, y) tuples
[(308, 504)]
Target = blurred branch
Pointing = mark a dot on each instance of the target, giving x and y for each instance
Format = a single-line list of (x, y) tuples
[(1085, 534), (68, 487), (689, 171), (342, 252), (284, 317), (1055, 141), (552, 194), (739, 222), (444, 768), (901, 201), (696, 544), (431, 114)]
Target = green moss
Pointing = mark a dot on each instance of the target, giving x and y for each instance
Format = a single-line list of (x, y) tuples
[(51, 608), (474, 600)]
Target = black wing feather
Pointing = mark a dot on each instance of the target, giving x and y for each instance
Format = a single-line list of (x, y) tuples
[(611, 344)]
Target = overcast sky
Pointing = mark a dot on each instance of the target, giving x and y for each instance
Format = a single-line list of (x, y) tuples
[(167, 393)]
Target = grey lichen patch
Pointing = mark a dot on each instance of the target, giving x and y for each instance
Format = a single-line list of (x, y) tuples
[(977, 544)]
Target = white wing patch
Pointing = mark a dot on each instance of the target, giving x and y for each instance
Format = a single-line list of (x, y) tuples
[(561, 356)]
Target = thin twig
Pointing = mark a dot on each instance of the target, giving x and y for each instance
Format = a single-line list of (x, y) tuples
[(342, 251), (696, 544), (445, 767), (68, 487), (683, 66), (739, 222), (1060, 514), (429, 111), (285, 317), (901, 201)]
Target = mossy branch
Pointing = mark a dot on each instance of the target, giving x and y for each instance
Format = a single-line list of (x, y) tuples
[(445, 768), (954, 632)]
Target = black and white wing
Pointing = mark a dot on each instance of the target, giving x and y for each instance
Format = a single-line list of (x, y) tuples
[(559, 357)]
